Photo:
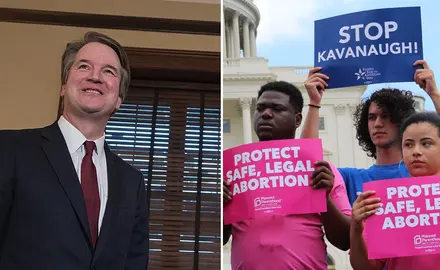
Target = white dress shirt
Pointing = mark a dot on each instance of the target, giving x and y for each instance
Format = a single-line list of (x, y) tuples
[(75, 143)]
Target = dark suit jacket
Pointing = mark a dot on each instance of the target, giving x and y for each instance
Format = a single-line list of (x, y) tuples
[(43, 221)]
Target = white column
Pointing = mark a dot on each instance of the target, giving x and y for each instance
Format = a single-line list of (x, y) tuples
[(253, 41), (231, 53), (245, 104), (356, 162), (236, 34), (343, 137), (225, 50), (360, 159), (246, 38)]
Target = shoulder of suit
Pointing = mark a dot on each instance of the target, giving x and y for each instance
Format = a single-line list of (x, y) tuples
[(21, 135), (22, 131), (18, 133), (14, 140)]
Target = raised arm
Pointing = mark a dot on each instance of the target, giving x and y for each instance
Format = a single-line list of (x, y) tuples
[(315, 85), (425, 79)]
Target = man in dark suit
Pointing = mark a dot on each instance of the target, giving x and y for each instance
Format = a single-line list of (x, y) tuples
[(66, 201)]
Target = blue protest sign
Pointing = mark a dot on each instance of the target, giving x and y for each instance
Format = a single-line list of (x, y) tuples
[(375, 46)]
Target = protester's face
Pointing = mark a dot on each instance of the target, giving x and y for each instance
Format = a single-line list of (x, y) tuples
[(275, 118), (382, 131), (421, 149), (92, 87)]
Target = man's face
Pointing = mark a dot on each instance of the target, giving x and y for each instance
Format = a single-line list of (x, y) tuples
[(92, 87), (275, 118), (382, 131)]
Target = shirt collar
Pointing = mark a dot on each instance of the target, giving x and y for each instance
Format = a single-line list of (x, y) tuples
[(75, 139)]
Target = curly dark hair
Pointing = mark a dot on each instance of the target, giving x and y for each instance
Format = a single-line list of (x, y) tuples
[(296, 98), (394, 102), (432, 118)]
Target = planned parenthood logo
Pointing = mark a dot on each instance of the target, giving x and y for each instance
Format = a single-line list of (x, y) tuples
[(257, 202), (427, 242), (267, 204), (417, 240)]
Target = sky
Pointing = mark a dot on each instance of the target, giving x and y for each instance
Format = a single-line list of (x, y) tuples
[(286, 32)]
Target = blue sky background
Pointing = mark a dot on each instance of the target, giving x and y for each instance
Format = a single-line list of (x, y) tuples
[(286, 32)]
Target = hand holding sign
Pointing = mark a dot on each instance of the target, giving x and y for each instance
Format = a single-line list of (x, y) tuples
[(364, 208), (227, 194), (316, 85), (425, 78), (323, 177)]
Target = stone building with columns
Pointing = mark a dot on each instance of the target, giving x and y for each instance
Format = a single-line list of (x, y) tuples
[(241, 18), (244, 73)]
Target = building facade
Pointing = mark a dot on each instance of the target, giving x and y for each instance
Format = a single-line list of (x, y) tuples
[(244, 73)]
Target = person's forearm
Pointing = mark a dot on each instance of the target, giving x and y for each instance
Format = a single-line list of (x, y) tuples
[(435, 97), (227, 230), (359, 253), (311, 124), (336, 226)]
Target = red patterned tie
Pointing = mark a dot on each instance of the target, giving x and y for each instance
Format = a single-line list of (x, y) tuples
[(89, 184)]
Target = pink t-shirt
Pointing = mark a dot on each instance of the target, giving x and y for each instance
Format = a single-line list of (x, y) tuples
[(285, 242), (425, 262)]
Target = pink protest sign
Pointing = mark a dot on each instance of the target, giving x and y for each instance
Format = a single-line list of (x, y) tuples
[(407, 224), (272, 178)]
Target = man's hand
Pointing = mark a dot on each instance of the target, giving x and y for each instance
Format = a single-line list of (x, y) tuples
[(227, 194), (425, 78), (323, 176), (316, 85), (363, 208)]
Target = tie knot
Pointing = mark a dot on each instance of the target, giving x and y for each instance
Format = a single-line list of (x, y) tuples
[(90, 146)]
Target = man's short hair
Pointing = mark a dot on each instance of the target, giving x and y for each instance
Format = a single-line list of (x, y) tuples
[(396, 103), (295, 96), (73, 48)]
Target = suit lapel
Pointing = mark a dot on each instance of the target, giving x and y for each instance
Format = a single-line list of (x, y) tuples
[(55, 148), (114, 191)]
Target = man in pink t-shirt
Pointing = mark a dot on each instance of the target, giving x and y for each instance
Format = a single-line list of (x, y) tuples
[(292, 241)]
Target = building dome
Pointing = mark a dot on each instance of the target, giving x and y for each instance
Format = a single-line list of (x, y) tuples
[(241, 19)]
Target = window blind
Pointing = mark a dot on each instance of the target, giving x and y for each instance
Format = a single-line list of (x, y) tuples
[(173, 137)]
